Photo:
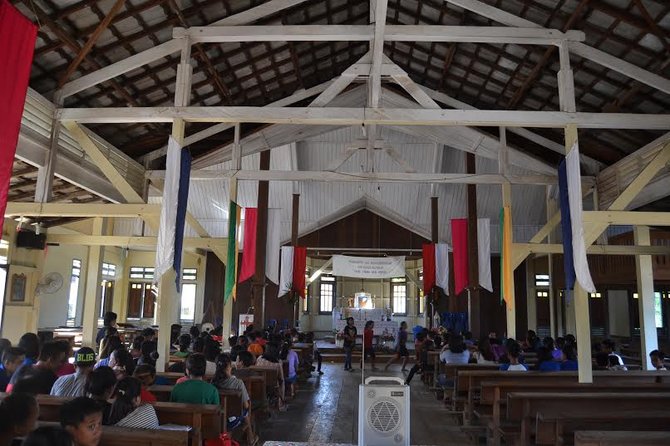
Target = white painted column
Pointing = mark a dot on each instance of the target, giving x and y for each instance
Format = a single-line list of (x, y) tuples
[(92, 288), (168, 297), (552, 208), (645, 292)]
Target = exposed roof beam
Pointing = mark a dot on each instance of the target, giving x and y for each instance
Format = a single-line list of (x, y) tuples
[(364, 33), (381, 177), (251, 15), (609, 250), (81, 210), (220, 244), (367, 116), (607, 60)]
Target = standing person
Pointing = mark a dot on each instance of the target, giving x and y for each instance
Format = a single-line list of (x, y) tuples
[(368, 335), (293, 363), (74, 384), (401, 348), (127, 409), (40, 378), (350, 333), (108, 321)]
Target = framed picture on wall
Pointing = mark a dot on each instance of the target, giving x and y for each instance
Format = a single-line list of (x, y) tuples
[(17, 293)]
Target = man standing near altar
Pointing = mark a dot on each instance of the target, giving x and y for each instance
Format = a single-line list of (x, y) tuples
[(350, 333)]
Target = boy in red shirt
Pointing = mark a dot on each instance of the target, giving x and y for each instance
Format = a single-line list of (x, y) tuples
[(368, 333)]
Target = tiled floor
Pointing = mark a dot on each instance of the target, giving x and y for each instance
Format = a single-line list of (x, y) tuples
[(325, 410)]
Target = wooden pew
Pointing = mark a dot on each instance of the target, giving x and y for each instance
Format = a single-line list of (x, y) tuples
[(128, 436), (205, 419), (469, 381), (231, 400), (522, 407), (560, 428), (621, 438)]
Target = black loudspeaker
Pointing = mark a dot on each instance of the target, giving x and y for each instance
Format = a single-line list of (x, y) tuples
[(30, 240)]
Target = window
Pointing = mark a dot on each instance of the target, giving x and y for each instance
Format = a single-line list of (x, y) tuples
[(541, 280), (141, 300), (326, 294), (305, 301), (108, 270), (658, 307), (138, 272), (74, 292), (595, 295), (187, 312), (542, 294), (399, 295), (189, 274), (421, 302), (106, 297)]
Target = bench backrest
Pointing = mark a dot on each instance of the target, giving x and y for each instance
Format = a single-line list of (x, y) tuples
[(123, 436), (231, 400), (621, 438)]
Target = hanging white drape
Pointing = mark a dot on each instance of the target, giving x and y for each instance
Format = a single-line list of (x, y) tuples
[(442, 266), (168, 219), (484, 253)]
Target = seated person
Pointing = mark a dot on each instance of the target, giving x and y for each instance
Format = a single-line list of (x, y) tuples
[(18, 416), (455, 352), (484, 353), (122, 363), (545, 361), (73, 384), (212, 351), (136, 348), (184, 344), (656, 357), (127, 409), (513, 353), (82, 419), (224, 380), (149, 334), (569, 356), (615, 361), (12, 358), (255, 347), (270, 359), (99, 387), (195, 390), (107, 346), (40, 378), (147, 375), (241, 345), (48, 436), (30, 344), (149, 353)]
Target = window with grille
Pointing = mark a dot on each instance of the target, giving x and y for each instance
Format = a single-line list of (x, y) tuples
[(326, 294), (73, 295), (399, 295)]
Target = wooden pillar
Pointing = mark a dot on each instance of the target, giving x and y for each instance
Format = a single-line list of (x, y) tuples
[(258, 283), (168, 297), (503, 168), (645, 293), (430, 301), (552, 208), (474, 310), (295, 223), (92, 288)]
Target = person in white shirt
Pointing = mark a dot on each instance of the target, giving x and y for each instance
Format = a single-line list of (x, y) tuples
[(614, 360), (455, 352), (513, 353), (73, 385), (657, 358)]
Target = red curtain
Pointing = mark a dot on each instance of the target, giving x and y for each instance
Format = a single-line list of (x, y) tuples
[(249, 247), (299, 265), (17, 43), (428, 268), (459, 240)]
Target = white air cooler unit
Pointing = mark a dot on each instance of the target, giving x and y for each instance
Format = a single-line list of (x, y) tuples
[(383, 412)]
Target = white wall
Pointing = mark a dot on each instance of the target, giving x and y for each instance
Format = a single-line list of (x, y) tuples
[(619, 322)]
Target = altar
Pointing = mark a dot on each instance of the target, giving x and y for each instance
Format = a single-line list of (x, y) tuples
[(379, 316)]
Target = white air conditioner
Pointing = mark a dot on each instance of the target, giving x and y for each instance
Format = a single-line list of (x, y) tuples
[(383, 412)]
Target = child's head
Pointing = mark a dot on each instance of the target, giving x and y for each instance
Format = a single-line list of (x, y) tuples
[(137, 342), (569, 353), (48, 436), (122, 362), (146, 373), (100, 383), (30, 344), (85, 359), (12, 359), (224, 366), (18, 414), (149, 334), (109, 319), (246, 358), (194, 332), (657, 357), (54, 355), (196, 365), (184, 342), (513, 352), (212, 349), (232, 341), (369, 325), (82, 418), (126, 398)]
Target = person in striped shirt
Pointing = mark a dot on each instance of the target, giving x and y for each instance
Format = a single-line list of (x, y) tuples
[(74, 384), (127, 409)]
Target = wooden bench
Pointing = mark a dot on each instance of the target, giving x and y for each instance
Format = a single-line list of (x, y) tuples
[(560, 428), (522, 407), (231, 401), (204, 419), (621, 438)]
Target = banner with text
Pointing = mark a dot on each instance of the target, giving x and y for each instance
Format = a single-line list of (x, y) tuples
[(369, 267)]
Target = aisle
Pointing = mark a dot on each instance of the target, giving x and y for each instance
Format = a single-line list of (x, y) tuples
[(325, 410)]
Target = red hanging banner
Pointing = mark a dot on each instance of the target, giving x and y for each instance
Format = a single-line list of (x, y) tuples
[(249, 245), (17, 43), (299, 265), (428, 268), (459, 240)]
